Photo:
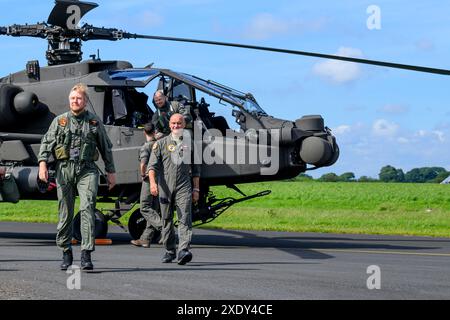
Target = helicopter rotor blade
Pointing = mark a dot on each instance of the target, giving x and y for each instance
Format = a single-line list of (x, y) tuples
[(303, 53)]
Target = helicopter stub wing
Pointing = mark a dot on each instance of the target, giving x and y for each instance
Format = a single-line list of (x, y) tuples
[(65, 9)]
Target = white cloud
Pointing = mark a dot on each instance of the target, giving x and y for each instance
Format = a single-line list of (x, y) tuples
[(150, 19), (342, 129), (266, 25), (384, 128), (340, 72), (425, 45), (394, 109), (430, 136), (403, 140), (440, 135), (366, 149)]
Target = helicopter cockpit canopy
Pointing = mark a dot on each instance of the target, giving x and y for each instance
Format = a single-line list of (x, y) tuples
[(140, 78), (218, 90), (178, 86)]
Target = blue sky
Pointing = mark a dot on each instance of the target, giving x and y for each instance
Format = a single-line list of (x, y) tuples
[(380, 116)]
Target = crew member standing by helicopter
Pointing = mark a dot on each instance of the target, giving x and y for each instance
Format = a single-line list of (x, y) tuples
[(171, 162), (73, 139), (164, 110), (149, 204)]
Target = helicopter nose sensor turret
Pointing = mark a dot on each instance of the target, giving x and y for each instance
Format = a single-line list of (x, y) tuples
[(320, 149)]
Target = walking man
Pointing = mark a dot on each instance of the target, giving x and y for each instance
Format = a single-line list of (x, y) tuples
[(171, 162), (73, 139), (149, 204)]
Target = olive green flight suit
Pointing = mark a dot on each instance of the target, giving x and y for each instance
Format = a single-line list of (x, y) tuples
[(73, 140), (149, 204), (172, 161), (162, 116)]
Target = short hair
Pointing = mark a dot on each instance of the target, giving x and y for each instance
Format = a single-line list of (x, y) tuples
[(159, 92), (176, 114), (81, 88), (149, 128)]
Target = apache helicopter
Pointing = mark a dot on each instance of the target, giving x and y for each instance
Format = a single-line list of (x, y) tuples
[(34, 96)]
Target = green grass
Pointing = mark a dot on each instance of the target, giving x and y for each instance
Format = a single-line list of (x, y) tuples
[(369, 208)]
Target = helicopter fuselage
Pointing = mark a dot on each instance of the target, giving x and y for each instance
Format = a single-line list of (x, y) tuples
[(112, 84)]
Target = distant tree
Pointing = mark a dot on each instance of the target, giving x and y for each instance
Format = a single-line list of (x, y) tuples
[(391, 174), (347, 177), (431, 173), (441, 177), (413, 176), (366, 179), (424, 174), (304, 177), (329, 177), (300, 177)]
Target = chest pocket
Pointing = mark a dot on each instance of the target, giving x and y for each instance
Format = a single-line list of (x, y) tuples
[(63, 140), (88, 150)]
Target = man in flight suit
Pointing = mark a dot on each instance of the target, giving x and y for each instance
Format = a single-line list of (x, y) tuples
[(73, 139), (164, 110), (149, 204), (171, 163)]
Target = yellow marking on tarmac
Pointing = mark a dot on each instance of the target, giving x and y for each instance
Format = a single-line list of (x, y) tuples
[(386, 252)]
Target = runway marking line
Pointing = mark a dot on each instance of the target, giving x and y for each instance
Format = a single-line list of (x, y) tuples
[(386, 252)]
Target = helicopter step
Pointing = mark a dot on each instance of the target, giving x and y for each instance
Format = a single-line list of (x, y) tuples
[(215, 207)]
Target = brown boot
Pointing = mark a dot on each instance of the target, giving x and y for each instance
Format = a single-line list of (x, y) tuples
[(141, 243)]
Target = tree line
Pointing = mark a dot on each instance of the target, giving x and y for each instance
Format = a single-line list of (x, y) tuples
[(387, 174)]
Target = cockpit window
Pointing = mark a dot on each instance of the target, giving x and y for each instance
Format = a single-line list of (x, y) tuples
[(252, 106), (236, 97), (144, 75), (141, 78)]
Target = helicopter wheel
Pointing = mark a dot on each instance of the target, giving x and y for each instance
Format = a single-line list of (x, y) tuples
[(137, 225), (101, 226)]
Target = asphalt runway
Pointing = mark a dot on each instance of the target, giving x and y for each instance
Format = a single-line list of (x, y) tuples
[(229, 265)]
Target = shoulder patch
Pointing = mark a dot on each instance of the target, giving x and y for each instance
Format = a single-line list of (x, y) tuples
[(62, 121), (155, 146)]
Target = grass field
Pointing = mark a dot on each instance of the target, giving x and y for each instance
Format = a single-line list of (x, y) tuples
[(369, 208)]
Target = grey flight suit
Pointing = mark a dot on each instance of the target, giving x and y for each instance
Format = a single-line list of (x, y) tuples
[(73, 140), (161, 117), (149, 204), (171, 160)]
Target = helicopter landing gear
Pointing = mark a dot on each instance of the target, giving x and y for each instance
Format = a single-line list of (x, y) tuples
[(101, 226), (214, 207), (137, 224)]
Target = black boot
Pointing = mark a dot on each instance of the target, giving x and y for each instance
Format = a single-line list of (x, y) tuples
[(67, 260), (86, 263), (184, 256)]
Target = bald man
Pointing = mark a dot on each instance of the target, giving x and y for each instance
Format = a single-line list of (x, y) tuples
[(176, 181)]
